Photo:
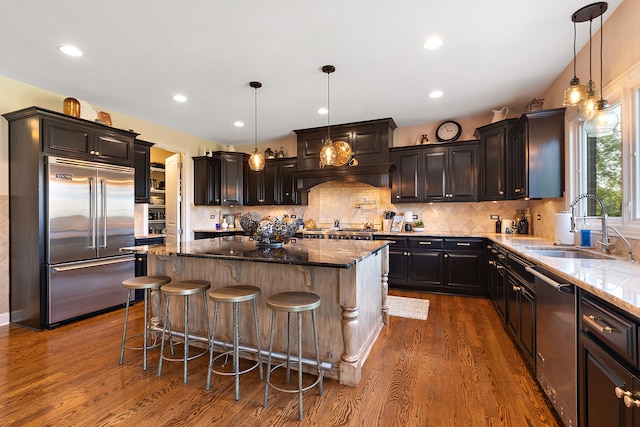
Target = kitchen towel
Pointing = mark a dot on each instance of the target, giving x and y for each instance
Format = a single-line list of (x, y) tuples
[(562, 229)]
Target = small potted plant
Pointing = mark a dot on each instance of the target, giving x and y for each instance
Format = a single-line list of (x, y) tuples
[(418, 225)]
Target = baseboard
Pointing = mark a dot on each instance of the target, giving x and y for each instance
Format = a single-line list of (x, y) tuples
[(4, 319)]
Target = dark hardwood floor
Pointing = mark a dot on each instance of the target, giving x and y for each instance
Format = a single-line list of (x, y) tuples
[(457, 368)]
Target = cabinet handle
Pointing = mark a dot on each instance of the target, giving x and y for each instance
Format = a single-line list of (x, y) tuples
[(392, 241), (446, 255), (501, 192), (621, 392), (424, 243), (501, 256), (463, 244), (517, 190), (500, 267), (591, 320), (492, 262), (630, 402), (516, 288)]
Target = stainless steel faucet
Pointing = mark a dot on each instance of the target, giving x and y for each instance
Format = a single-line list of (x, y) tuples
[(605, 244)]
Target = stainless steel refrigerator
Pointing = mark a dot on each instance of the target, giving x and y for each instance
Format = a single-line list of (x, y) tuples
[(90, 209)]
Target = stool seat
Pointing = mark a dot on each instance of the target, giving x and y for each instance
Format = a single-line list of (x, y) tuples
[(293, 301), (185, 287), (239, 293), (146, 282)]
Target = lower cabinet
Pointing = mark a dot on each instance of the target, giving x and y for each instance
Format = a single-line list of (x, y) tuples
[(521, 315), (608, 373), (434, 264), (497, 278)]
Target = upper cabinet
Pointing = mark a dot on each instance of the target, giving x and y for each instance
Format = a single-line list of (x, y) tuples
[(435, 173), (536, 154), (369, 141), (274, 185), (66, 136), (493, 159), (141, 163), (219, 179)]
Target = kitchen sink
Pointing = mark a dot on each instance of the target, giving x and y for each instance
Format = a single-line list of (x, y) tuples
[(557, 252)]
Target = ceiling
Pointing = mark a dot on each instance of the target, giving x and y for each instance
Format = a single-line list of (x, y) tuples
[(138, 54)]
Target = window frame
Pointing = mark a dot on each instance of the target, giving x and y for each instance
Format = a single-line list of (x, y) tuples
[(626, 92)]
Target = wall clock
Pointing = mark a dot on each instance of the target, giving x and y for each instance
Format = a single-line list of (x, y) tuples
[(448, 131)]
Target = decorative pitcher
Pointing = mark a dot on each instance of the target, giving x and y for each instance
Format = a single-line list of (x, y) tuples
[(500, 114)]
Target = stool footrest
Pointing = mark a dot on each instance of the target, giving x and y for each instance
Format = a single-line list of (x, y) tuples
[(230, 353), (293, 390), (155, 344)]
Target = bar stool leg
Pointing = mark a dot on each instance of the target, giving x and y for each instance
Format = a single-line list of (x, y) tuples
[(288, 348), (255, 317), (186, 335), (167, 324), (124, 332), (213, 336), (300, 365), (315, 335), (266, 389), (236, 361)]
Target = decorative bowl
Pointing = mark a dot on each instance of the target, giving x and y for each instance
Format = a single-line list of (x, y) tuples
[(269, 232)]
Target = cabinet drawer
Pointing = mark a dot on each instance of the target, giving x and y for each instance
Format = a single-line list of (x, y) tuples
[(609, 327), (425, 243), (463, 244), (397, 242)]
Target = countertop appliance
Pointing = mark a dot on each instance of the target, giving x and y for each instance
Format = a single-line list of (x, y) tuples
[(556, 337), (90, 210)]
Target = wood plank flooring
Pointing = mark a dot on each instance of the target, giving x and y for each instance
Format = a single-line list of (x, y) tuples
[(457, 368)]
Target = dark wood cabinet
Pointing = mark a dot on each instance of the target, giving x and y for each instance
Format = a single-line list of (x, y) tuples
[(274, 185), (80, 139), (464, 267), (608, 374), (141, 163), (497, 277), (435, 264), (369, 140), (494, 168), (435, 173), (536, 155), (219, 179), (521, 308)]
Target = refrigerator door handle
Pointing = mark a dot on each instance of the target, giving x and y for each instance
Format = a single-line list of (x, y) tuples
[(92, 213), (103, 214), (77, 266)]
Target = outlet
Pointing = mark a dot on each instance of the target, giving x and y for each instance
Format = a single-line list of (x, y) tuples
[(539, 217), (293, 216), (494, 216), (415, 217), (212, 217)]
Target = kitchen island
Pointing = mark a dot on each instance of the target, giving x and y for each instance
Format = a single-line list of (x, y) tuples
[(349, 276)]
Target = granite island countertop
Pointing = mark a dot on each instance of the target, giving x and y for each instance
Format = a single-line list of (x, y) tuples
[(312, 252)]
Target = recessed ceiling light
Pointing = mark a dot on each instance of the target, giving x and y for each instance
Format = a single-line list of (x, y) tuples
[(179, 98), (322, 110), (436, 94), (238, 123), (432, 43), (70, 50)]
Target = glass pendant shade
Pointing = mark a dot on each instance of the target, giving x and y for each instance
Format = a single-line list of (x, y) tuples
[(603, 120), (256, 161), (575, 93), (586, 107), (328, 154)]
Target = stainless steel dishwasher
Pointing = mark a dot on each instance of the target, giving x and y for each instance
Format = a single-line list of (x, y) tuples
[(556, 337)]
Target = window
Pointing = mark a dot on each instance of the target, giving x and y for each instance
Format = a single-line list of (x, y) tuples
[(603, 172)]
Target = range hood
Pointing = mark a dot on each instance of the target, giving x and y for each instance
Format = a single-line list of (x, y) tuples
[(378, 175)]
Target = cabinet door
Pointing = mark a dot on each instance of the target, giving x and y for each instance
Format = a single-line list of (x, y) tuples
[(424, 269), (66, 139), (518, 146), (255, 188), (599, 375), (494, 165), (513, 305), (206, 181), (288, 193), (113, 147), (435, 178), (463, 173), (141, 155), (527, 324), (406, 176), (271, 184), (463, 271), (231, 179)]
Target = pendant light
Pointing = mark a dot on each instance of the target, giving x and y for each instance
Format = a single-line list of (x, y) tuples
[(256, 160), (328, 153), (603, 120), (586, 107), (576, 92)]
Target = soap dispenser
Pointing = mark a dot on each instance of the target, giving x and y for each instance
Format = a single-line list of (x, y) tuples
[(585, 234)]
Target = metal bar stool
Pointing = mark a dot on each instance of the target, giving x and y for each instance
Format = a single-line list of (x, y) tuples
[(235, 295), (146, 283), (293, 302), (185, 289)]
